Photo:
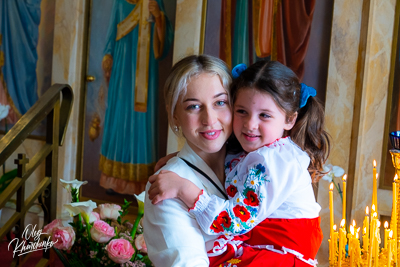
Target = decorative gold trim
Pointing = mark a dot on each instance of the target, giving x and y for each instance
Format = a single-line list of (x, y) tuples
[(126, 171), (129, 23), (203, 26), (142, 60), (133, 2)]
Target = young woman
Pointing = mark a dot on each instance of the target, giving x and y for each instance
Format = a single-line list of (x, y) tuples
[(197, 100)]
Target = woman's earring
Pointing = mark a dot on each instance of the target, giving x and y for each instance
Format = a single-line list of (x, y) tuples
[(176, 129)]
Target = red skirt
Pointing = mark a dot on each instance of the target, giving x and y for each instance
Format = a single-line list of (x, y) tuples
[(274, 242)]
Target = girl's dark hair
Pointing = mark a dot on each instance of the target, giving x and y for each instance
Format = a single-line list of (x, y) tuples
[(282, 84)]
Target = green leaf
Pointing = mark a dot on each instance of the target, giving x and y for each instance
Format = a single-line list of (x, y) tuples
[(8, 176), (147, 261), (6, 179)]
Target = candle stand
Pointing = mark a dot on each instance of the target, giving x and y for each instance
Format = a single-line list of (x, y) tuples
[(361, 246)]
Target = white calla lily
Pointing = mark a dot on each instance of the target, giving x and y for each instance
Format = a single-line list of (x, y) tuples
[(72, 184), (140, 199), (4, 109), (84, 208)]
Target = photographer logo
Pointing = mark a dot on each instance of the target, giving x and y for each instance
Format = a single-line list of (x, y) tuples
[(25, 245)]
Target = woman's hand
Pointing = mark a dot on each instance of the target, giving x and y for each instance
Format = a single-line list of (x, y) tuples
[(161, 162), (167, 184)]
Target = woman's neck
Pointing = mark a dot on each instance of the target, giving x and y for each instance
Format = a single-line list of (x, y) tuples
[(216, 162)]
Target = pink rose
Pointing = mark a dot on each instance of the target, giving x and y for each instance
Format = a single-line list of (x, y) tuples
[(101, 232), (94, 216), (120, 250), (140, 243), (109, 211), (63, 237), (48, 229)]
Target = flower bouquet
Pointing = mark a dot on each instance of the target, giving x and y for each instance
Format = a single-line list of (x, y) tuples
[(96, 236)]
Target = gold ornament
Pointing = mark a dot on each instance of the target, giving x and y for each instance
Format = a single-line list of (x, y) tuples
[(94, 130)]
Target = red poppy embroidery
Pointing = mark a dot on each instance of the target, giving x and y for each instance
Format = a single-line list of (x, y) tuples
[(224, 219), (241, 212), (251, 199), (216, 227), (231, 190)]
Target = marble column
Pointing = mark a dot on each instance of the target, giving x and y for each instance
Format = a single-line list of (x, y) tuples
[(373, 107), (68, 62), (359, 66)]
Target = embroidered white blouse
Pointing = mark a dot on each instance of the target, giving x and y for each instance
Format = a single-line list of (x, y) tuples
[(271, 182), (172, 235)]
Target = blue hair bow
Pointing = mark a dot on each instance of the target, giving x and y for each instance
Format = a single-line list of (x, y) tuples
[(238, 69), (305, 93)]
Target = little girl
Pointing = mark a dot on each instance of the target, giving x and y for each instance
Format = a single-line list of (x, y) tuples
[(279, 125)]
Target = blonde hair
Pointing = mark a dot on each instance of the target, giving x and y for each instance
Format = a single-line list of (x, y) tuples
[(184, 70)]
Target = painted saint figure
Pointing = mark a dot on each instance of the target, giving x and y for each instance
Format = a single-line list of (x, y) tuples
[(139, 35), (19, 35)]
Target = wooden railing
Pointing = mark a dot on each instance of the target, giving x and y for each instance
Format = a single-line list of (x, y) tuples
[(54, 106)]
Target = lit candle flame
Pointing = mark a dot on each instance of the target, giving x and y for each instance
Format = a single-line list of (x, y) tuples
[(352, 229), (391, 234), (366, 211), (379, 224), (375, 215), (342, 223), (331, 186), (344, 178), (358, 229), (334, 227), (395, 178), (374, 163), (357, 235), (354, 223), (377, 176), (373, 207), (386, 225)]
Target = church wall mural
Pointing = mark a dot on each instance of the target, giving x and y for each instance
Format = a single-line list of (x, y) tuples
[(129, 58), (26, 49)]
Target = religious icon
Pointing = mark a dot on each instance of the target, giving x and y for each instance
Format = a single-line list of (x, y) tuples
[(129, 39)]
